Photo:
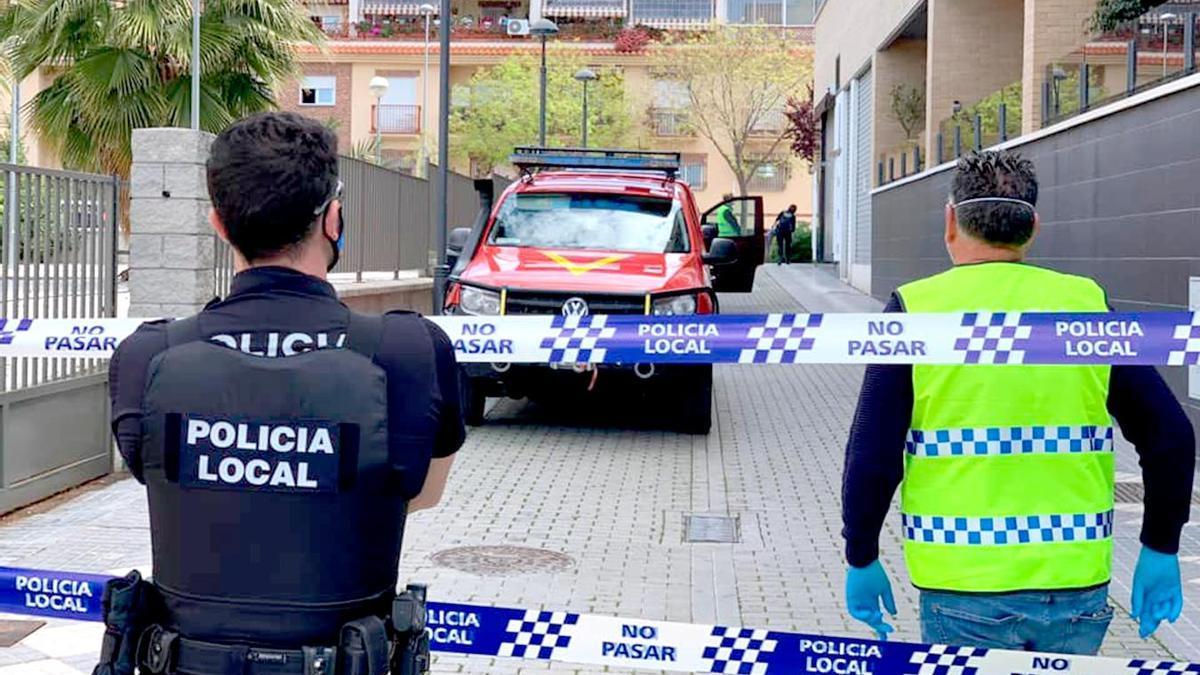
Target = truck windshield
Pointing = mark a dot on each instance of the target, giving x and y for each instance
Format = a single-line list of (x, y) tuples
[(591, 221)]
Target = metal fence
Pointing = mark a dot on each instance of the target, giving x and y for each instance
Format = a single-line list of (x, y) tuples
[(57, 260), (390, 223), (58, 250)]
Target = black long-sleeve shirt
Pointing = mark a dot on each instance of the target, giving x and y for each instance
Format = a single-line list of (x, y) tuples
[(1148, 413)]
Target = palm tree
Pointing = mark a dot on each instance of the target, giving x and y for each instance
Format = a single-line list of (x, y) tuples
[(120, 65)]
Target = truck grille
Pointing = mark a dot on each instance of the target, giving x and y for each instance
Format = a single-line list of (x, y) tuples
[(526, 302)]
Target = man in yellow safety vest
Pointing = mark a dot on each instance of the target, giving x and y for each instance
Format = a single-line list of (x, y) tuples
[(1008, 470)]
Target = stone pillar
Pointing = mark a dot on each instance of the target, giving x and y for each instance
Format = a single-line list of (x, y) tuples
[(1053, 30), (975, 49), (171, 246)]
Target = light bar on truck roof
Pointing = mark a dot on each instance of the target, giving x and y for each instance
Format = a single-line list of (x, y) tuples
[(529, 159)]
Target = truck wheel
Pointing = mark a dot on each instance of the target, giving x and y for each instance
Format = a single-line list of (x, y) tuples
[(695, 403), (476, 406)]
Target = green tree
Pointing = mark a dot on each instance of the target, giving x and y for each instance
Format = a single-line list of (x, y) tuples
[(120, 66), (738, 81), (498, 109), (1110, 14)]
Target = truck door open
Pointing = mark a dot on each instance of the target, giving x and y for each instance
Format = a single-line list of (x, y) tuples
[(739, 220)]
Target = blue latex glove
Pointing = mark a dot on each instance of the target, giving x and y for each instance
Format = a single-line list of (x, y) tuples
[(866, 587), (1157, 592)]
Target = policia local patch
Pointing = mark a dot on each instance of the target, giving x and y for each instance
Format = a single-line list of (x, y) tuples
[(281, 456)]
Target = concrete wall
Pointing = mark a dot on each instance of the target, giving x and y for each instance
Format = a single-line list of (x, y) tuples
[(851, 32), (1118, 203), (975, 49)]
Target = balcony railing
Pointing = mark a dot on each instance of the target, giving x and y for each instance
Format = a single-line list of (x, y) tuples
[(771, 123), (668, 122), (396, 119)]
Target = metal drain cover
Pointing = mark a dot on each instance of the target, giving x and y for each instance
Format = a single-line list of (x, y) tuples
[(1135, 493), (710, 529), (501, 560), (1129, 493), (12, 632)]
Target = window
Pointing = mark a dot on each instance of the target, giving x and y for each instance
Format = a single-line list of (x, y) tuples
[(318, 90), (772, 12), (772, 176), (694, 171), (698, 11), (401, 90), (330, 22), (588, 221)]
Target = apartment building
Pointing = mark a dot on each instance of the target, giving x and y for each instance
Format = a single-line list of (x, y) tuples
[(962, 74), (370, 38)]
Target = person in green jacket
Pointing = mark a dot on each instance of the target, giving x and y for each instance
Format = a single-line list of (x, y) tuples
[(1006, 472), (727, 223)]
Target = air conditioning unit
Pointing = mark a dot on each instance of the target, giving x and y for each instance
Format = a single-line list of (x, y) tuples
[(518, 26)]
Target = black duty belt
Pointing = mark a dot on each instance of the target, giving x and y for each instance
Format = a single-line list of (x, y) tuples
[(363, 650)]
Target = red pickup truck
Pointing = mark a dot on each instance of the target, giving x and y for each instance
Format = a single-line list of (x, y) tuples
[(602, 232)]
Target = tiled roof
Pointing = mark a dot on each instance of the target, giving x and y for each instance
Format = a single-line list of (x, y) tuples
[(463, 48), (1121, 49)]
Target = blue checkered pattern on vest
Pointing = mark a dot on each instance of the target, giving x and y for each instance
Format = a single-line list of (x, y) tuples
[(1001, 530), (1008, 441)]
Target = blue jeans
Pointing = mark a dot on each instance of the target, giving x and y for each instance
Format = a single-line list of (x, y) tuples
[(1063, 622)]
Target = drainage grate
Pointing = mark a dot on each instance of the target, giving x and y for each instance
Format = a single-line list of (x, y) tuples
[(710, 529), (1130, 493), (1135, 493), (12, 632), (502, 560)]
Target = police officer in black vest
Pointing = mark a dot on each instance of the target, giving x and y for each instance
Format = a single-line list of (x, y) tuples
[(282, 439)]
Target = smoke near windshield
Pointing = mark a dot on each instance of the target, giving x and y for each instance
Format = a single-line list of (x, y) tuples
[(590, 221)]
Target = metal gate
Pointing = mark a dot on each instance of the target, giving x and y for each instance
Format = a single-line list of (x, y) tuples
[(58, 254), (860, 195)]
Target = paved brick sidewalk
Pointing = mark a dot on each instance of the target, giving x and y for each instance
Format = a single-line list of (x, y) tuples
[(611, 498)]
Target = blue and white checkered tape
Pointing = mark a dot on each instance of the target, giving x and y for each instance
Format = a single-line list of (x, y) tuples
[(620, 643), (997, 338), (1005, 530), (993, 441)]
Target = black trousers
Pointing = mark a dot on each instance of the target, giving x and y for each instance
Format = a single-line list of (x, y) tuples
[(785, 247)]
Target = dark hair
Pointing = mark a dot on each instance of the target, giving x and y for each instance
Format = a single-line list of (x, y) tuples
[(996, 173), (267, 174)]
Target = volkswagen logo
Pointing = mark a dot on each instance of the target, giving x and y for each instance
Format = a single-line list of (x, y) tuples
[(575, 307)]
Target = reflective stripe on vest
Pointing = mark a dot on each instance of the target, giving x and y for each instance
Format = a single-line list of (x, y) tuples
[(1008, 471)]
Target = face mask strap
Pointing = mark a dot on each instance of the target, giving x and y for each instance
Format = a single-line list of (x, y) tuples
[(998, 200)]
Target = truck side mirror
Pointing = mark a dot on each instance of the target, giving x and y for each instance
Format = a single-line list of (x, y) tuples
[(457, 241), (721, 252), (710, 233)]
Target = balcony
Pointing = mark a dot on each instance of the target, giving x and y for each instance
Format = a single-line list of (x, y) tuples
[(668, 122), (396, 119)]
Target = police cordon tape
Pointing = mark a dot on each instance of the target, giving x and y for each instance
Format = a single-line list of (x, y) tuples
[(635, 643), (1153, 338)]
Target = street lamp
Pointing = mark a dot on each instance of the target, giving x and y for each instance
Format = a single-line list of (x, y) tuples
[(585, 76), (1057, 74), (1165, 18), (427, 10), (378, 87), (196, 64), (543, 29)]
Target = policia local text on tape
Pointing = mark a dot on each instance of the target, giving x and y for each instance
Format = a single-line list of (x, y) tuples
[(282, 440), (1006, 475)]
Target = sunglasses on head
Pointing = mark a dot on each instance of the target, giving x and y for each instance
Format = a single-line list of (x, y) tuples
[(337, 194)]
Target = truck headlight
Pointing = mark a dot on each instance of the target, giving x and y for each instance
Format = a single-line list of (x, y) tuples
[(678, 305), (479, 301)]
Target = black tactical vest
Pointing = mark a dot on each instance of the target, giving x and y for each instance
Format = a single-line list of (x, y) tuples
[(275, 510)]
